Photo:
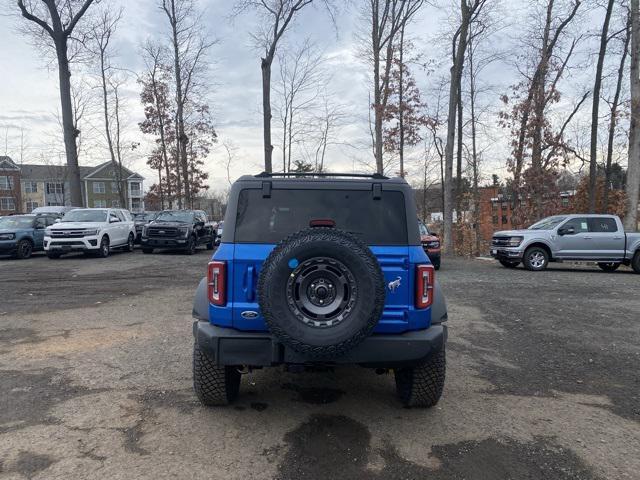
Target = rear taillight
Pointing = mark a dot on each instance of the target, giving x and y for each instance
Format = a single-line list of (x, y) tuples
[(425, 281), (217, 282)]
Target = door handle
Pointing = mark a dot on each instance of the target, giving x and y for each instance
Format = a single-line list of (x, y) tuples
[(617, 238)]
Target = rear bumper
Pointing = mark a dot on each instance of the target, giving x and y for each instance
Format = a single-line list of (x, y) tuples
[(226, 346)]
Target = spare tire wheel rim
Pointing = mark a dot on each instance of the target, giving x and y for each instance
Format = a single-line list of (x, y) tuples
[(321, 292)]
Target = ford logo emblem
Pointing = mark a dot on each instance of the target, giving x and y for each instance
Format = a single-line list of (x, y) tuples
[(249, 314)]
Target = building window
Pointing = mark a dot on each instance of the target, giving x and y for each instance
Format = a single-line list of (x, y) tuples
[(565, 201), (495, 219), (135, 188), (115, 203), (98, 187), (31, 206), (136, 204), (494, 206), (55, 188), (7, 204), (505, 205), (504, 219), (99, 203), (30, 187), (114, 187), (6, 182)]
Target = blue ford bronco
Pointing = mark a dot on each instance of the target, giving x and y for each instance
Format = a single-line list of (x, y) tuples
[(317, 271)]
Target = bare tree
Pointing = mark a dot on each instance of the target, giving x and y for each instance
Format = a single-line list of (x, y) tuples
[(593, 152), (276, 18), (190, 47), (468, 10), (101, 36), (633, 169), (58, 19), (614, 113), (385, 18)]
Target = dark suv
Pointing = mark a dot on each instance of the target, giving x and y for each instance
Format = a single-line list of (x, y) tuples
[(319, 272), (178, 230)]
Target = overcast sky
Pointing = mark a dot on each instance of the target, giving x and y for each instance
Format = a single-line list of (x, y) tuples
[(29, 100)]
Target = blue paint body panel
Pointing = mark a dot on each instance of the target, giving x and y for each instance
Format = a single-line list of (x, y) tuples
[(244, 262)]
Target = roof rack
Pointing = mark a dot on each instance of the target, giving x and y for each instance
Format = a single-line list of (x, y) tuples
[(375, 176)]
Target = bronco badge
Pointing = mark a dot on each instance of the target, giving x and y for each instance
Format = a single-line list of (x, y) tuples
[(395, 284)]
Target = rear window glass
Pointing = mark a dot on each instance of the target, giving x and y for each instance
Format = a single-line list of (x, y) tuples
[(269, 220)]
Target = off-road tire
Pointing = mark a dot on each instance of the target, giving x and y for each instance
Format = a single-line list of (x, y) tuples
[(328, 341), (214, 385), (24, 249), (130, 243), (422, 385), (53, 255), (609, 267), (147, 250), (508, 264), (528, 259), (103, 250), (635, 263)]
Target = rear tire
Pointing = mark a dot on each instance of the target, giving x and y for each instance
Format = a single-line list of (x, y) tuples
[(191, 246), (24, 249), (214, 385), (635, 263), (609, 267), (130, 242), (536, 259), (507, 264), (422, 385)]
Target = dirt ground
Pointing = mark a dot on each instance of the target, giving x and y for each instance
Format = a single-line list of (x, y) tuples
[(95, 382)]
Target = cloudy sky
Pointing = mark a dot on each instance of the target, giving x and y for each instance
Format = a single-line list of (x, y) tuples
[(29, 101)]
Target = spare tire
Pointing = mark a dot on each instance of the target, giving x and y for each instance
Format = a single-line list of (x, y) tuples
[(321, 292)]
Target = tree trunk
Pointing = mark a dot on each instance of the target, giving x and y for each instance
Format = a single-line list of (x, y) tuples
[(633, 171), (614, 118), (456, 74), (70, 132), (459, 155), (593, 152), (474, 152), (265, 66)]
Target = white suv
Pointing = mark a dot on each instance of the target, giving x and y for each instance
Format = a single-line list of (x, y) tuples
[(90, 230)]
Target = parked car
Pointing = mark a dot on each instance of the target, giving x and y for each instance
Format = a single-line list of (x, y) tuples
[(219, 230), (320, 271), (140, 220), (178, 229), (581, 237), (431, 245), (21, 235), (92, 231), (57, 210)]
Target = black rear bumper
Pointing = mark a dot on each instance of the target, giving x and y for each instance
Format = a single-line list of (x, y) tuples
[(227, 346)]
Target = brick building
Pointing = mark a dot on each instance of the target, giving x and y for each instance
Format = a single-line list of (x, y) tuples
[(10, 188)]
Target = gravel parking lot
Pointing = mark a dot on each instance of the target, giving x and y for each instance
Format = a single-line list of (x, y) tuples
[(95, 375)]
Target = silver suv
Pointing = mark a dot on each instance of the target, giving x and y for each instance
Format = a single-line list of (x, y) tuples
[(581, 237)]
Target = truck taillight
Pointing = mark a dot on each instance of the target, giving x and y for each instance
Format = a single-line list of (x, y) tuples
[(425, 281), (217, 282)]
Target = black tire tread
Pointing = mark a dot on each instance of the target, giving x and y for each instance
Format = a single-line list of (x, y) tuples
[(526, 263), (278, 254), (214, 385), (635, 263), (18, 249), (422, 385)]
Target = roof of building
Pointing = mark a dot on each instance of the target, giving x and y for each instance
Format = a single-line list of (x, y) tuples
[(7, 164), (59, 172)]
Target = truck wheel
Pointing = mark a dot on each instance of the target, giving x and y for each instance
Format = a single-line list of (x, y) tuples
[(508, 264), (635, 263), (536, 259), (321, 292), (422, 385), (24, 249), (147, 250), (103, 251), (609, 267), (214, 385), (130, 242), (191, 246)]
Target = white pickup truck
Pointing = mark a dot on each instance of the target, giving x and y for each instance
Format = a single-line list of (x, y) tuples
[(579, 237), (90, 230)]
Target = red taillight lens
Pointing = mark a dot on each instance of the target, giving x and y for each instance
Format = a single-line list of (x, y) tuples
[(217, 282), (425, 281)]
